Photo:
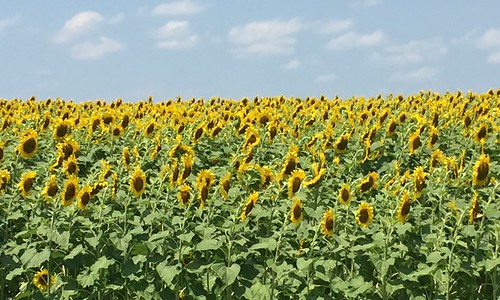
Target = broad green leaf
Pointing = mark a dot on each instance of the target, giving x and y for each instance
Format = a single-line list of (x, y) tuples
[(187, 237), (38, 259), (434, 257), (167, 273), (102, 263), (208, 245), (302, 263), (86, 279), (77, 250), (228, 275), (14, 273)]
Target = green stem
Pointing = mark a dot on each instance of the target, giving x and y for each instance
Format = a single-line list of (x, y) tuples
[(273, 280)]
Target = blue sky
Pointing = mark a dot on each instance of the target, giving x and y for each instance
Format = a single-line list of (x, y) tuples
[(85, 50)]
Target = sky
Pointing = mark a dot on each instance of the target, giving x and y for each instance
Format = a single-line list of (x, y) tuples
[(89, 50)]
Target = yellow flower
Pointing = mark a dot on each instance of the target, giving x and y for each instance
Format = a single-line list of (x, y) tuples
[(138, 182), (28, 144), (364, 214), (117, 131), (149, 129), (187, 161), (225, 183), (419, 179), (1, 150), (370, 182), (481, 132), (404, 207), (27, 182), (415, 142), (41, 279), (70, 191), (126, 157), (70, 166), (4, 179), (481, 170), (433, 138), (252, 138), (84, 197), (327, 222), (319, 171), (184, 194), (97, 187), (474, 209), (62, 129), (295, 181), (198, 132), (296, 214), (249, 205), (341, 143), (50, 190), (391, 128), (291, 161), (345, 194), (266, 176)]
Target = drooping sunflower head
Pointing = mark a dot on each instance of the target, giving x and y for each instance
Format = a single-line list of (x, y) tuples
[(369, 183), (327, 222), (4, 179), (481, 170), (295, 181), (97, 187), (41, 280), (433, 136), (70, 166), (391, 128), (188, 162), (50, 189), (319, 171), (266, 176), (126, 157), (437, 157), (419, 180), (249, 205), (198, 132), (481, 132), (1, 150), (341, 143), (414, 142), (27, 182), (138, 182), (105, 170), (84, 197), (149, 128), (345, 194), (28, 144), (296, 213), (70, 191), (474, 209), (404, 207), (364, 214), (184, 194), (205, 178), (225, 183)]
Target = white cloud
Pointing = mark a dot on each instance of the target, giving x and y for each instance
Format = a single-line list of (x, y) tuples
[(175, 35), (334, 26), (78, 25), (355, 40), (494, 58), (117, 18), (292, 65), (8, 22), (422, 74), (490, 39), (326, 78), (413, 52), (95, 50), (367, 3), (265, 37), (176, 8)]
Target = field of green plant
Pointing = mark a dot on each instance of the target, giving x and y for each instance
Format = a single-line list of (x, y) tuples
[(389, 197)]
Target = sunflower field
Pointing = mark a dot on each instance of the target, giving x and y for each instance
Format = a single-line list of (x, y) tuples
[(388, 197)]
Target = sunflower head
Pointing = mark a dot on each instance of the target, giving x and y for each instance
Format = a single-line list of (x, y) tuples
[(345, 194), (481, 170), (41, 280), (296, 213), (414, 142), (391, 128), (481, 132), (117, 131), (249, 205), (50, 190), (28, 144), (84, 197), (126, 157), (419, 179), (252, 138), (62, 129), (225, 184), (188, 162), (295, 181), (327, 222), (341, 143), (137, 182), (70, 191), (404, 207), (266, 176), (4, 179), (364, 214), (184, 194), (27, 182), (70, 166), (474, 209), (369, 183)]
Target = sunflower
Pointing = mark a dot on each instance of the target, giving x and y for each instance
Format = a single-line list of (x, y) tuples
[(225, 184), (415, 142), (291, 161), (50, 190), (481, 132), (419, 179), (114, 186), (198, 132), (391, 128), (150, 128), (266, 176), (327, 222), (105, 170), (433, 138), (481, 170), (204, 181), (84, 197), (61, 129), (474, 209), (138, 182), (341, 143), (126, 157), (187, 161), (184, 194), (27, 182), (437, 157), (41, 280), (1, 150), (319, 171), (70, 191), (69, 147), (404, 207), (4, 179), (252, 138), (117, 131), (364, 214), (156, 149), (295, 181), (345, 194), (28, 144), (370, 182), (296, 213), (70, 166), (174, 175), (249, 205), (97, 187)]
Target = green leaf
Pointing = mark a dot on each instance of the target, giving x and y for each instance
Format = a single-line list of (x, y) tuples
[(187, 237), (269, 244), (258, 291), (39, 258), (489, 264), (469, 231), (77, 250), (14, 273), (228, 275), (167, 273), (102, 263), (302, 263), (208, 245), (434, 257), (86, 279)]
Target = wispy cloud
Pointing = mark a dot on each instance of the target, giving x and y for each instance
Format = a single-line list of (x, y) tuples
[(95, 50), (264, 38), (367, 3), (175, 35), (292, 64), (353, 39), (490, 40), (177, 8), (78, 25), (117, 18), (8, 22), (326, 78), (334, 26), (421, 74), (413, 52)]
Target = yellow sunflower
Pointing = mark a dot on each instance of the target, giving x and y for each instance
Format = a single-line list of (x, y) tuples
[(84, 197), (266, 176), (27, 182), (50, 190), (1, 150), (327, 222), (341, 143), (41, 280), (345, 194), (414, 142), (481, 170), (105, 170), (28, 144), (419, 179), (198, 132), (433, 137), (188, 162), (70, 191), (117, 131), (481, 132), (225, 184), (291, 161), (70, 166), (61, 129), (319, 171), (249, 205), (474, 209), (404, 207), (296, 213), (4, 179), (184, 194), (126, 157), (137, 182), (369, 183), (295, 181), (364, 214), (97, 187), (174, 175), (391, 128)]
